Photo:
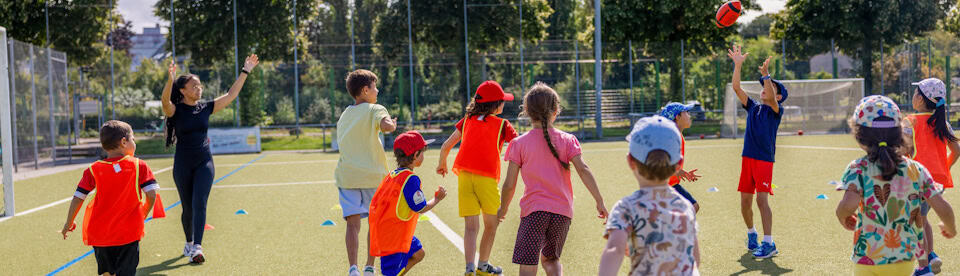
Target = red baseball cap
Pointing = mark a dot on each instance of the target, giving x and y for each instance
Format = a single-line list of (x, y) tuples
[(410, 142), (490, 91)]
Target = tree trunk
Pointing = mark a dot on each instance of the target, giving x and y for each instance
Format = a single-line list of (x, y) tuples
[(866, 65), (676, 80)]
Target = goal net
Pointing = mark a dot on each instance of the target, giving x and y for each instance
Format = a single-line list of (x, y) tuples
[(814, 106)]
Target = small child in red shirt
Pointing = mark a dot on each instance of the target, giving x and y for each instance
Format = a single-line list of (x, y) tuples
[(114, 218)]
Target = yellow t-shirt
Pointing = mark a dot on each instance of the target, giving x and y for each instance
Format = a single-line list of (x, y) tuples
[(363, 162)]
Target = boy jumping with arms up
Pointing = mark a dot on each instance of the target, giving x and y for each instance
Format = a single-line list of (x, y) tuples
[(759, 145)]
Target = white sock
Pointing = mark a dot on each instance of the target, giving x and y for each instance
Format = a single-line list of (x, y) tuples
[(352, 267), (768, 239), (752, 231), (471, 267)]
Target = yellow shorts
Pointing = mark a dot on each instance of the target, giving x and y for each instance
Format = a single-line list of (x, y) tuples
[(901, 268), (477, 193)]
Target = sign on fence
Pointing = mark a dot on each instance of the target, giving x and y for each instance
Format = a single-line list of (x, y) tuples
[(234, 140), (89, 107)]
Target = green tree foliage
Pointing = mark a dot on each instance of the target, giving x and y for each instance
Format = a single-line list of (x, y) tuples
[(659, 26), (204, 29), (760, 26), (859, 27), (75, 25)]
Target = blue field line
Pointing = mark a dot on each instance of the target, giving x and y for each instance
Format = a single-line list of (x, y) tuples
[(71, 262)]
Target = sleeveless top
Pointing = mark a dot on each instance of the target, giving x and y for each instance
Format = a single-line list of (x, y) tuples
[(480, 147), (392, 222), (930, 150)]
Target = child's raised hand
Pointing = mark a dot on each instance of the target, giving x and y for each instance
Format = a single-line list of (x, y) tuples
[(251, 62), (947, 232), (850, 223), (67, 229), (440, 193), (736, 55), (763, 68)]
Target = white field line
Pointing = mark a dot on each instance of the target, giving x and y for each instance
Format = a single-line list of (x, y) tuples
[(445, 230)]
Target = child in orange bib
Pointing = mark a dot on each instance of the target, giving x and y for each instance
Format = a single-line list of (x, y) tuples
[(931, 137), (114, 218), (481, 135)]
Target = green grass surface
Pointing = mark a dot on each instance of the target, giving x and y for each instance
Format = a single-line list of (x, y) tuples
[(282, 234)]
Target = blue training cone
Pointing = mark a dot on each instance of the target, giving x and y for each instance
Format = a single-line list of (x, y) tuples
[(241, 212), (714, 189), (328, 223), (822, 196)]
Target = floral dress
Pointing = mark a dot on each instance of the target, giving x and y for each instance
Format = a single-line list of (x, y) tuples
[(889, 229)]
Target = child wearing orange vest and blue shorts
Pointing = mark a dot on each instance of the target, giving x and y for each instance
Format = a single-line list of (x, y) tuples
[(931, 137), (481, 135), (396, 206), (114, 218)]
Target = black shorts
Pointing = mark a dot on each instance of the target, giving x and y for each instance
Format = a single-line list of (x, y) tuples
[(118, 260), (540, 233)]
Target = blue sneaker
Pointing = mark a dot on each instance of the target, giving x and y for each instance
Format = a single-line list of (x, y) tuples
[(935, 263), (766, 250), (923, 272), (752, 241)]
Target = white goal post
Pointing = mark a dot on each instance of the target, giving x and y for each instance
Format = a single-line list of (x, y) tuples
[(6, 129)]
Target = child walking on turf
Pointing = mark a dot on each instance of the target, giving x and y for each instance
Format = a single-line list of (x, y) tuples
[(884, 194), (543, 155), (113, 221), (680, 114), (397, 205), (481, 135), (654, 226), (931, 135), (362, 164), (759, 146)]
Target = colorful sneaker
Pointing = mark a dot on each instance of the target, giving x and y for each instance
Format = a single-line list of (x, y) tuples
[(188, 249), (752, 241), (489, 270), (935, 263), (766, 250), (925, 271), (354, 271), (470, 273), (369, 271), (197, 255)]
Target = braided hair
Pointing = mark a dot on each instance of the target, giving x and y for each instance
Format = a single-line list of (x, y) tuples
[(540, 104), (176, 97)]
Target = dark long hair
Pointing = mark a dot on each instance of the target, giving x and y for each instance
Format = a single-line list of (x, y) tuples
[(886, 156), (176, 97), (938, 120), (540, 104), (481, 109)]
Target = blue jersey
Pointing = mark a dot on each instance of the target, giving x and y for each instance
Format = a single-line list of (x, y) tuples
[(760, 139)]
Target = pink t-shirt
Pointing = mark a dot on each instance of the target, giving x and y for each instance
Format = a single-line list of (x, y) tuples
[(547, 185)]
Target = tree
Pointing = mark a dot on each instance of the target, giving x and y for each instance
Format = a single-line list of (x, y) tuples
[(659, 26), (760, 26), (438, 32), (74, 25), (263, 26), (859, 28), (120, 37)]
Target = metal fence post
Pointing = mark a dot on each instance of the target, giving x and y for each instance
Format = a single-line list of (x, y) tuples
[(576, 52), (13, 103), (410, 60), (683, 77), (466, 48), (33, 109), (833, 57), (630, 69), (296, 70), (597, 68)]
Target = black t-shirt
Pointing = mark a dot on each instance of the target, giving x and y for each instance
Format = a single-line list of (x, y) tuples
[(192, 123)]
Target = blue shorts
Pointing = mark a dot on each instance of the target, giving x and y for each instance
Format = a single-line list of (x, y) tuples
[(356, 201), (393, 264)]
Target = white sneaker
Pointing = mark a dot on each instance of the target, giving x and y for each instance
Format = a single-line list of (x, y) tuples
[(354, 271), (369, 271), (188, 249), (197, 255)]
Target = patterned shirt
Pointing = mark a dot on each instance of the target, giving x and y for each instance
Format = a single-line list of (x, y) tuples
[(661, 229), (889, 229)]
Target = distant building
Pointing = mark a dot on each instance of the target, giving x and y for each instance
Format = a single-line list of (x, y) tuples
[(148, 44), (824, 62)]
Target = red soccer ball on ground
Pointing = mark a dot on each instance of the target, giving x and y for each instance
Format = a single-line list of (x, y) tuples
[(728, 14)]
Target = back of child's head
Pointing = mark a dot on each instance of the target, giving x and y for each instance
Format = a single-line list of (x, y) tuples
[(112, 133), (541, 103), (876, 127), (487, 99), (655, 147), (359, 79), (404, 160), (407, 146), (933, 92)]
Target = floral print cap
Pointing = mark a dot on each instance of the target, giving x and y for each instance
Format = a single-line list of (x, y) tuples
[(877, 112)]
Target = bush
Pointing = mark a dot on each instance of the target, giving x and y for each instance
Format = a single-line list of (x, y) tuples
[(319, 111), (284, 113)]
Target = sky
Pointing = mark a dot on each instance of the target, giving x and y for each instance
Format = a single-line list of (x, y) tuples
[(140, 12)]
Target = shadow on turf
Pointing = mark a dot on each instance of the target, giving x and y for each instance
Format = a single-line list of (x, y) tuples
[(162, 266), (764, 266)]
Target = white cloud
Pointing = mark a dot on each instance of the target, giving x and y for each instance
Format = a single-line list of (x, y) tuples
[(140, 12), (768, 6)]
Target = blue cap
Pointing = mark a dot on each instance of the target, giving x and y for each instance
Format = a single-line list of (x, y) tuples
[(671, 110), (655, 133), (782, 90)]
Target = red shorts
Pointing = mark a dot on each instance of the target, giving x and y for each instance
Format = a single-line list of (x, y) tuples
[(755, 176)]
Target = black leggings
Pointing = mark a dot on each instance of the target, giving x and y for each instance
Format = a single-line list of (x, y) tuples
[(193, 174)]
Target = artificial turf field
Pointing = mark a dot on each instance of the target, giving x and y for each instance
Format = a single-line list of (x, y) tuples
[(289, 195)]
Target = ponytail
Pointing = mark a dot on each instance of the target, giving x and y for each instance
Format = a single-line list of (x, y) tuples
[(938, 121), (540, 103), (176, 97)]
